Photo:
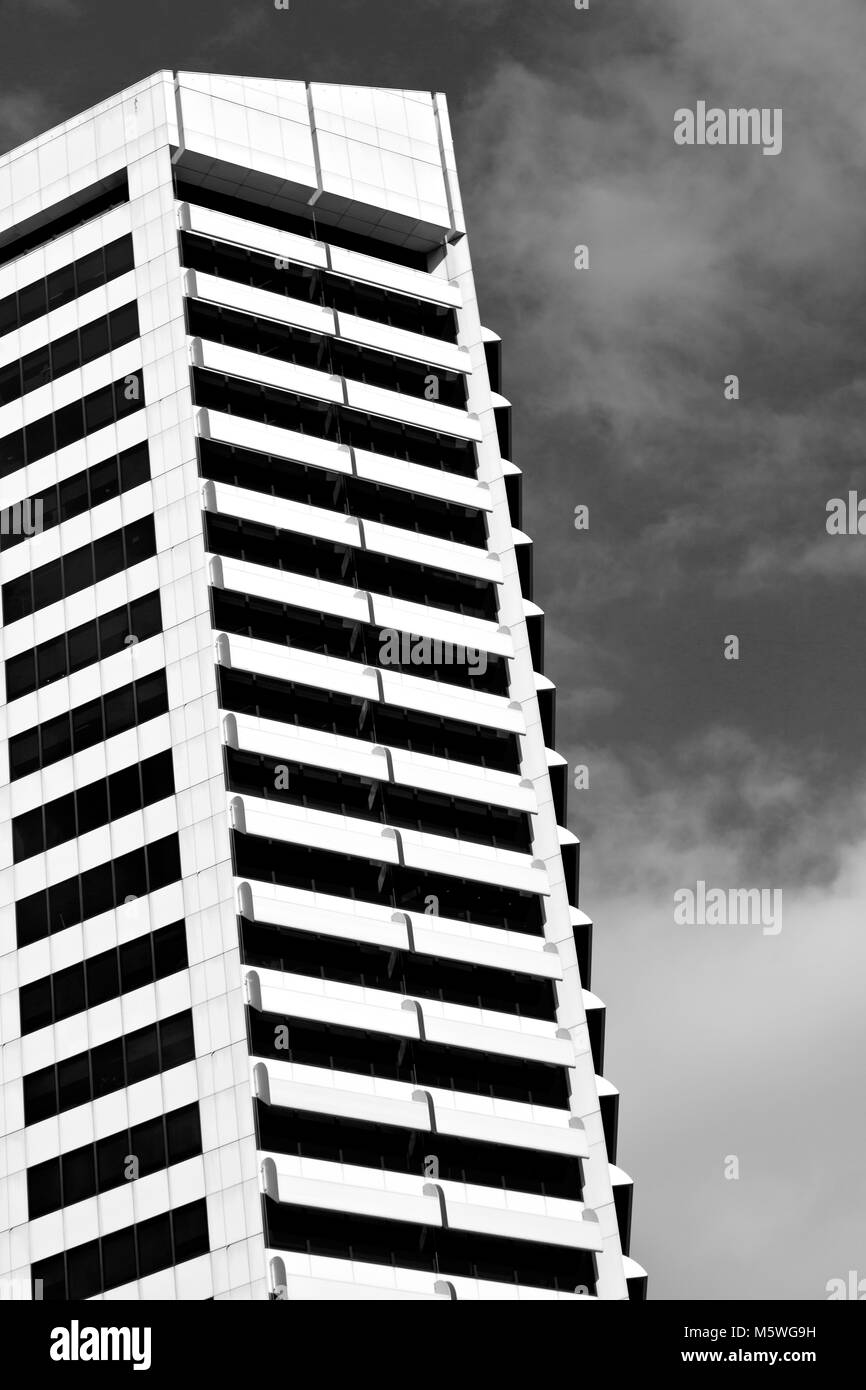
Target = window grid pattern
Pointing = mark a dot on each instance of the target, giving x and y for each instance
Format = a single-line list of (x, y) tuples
[(108, 975), (72, 281), (84, 344), (100, 1167), (107, 886), (132, 1253), (81, 493)]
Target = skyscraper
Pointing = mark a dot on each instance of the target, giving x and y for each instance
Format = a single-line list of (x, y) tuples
[(294, 988)]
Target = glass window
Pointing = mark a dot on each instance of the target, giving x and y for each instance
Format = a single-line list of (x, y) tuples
[(169, 947), (98, 890), (190, 1231), (98, 410), (163, 862), (79, 1175), (89, 272), (78, 570), (154, 1244), (129, 875), (27, 835), (61, 287), (108, 1067), (20, 674), (102, 978), (141, 1054), (10, 383), (47, 586), (31, 918), (65, 354), (119, 711), (151, 696), (68, 424), (40, 1095), (8, 313), (43, 1188), (51, 658), (140, 540), (56, 739), (87, 724), (145, 618), (123, 325), (52, 1273), (125, 792), (118, 1258), (134, 467), (148, 1145), (60, 820), (17, 599), (69, 992), (113, 631), (175, 1035), (103, 481), (34, 1002), (50, 507), (184, 1134), (118, 257), (82, 647), (82, 1266), (12, 452), (73, 496), (157, 778), (94, 340), (92, 807), (73, 1081), (136, 964), (64, 905), (108, 553), (127, 400), (32, 302), (111, 1156)]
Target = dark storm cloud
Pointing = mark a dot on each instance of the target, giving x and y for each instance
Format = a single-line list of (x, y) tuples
[(24, 112), (707, 518)]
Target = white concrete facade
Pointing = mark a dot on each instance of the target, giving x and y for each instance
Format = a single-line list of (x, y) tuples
[(378, 165)]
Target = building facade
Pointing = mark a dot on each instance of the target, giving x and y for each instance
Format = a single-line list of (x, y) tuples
[(294, 988)]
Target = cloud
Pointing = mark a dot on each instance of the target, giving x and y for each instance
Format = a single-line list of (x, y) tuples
[(24, 113), (245, 28), (748, 1046), (702, 263), (67, 8), (478, 11), (707, 517), (723, 1041), (722, 805)]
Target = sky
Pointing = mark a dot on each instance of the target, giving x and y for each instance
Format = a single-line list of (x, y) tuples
[(706, 519)]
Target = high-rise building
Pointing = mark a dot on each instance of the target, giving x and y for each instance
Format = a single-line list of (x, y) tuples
[(294, 988)]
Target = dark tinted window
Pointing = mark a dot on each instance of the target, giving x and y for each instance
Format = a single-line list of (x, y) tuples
[(71, 423), (75, 495), (77, 570), (99, 1072), (104, 976), (110, 1162), (88, 724), (113, 1260)]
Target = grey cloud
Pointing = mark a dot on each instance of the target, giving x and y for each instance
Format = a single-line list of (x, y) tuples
[(720, 806), (24, 112), (702, 263), (706, 517)]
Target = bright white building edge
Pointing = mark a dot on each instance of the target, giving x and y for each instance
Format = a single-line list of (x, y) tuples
[(376, 163)]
